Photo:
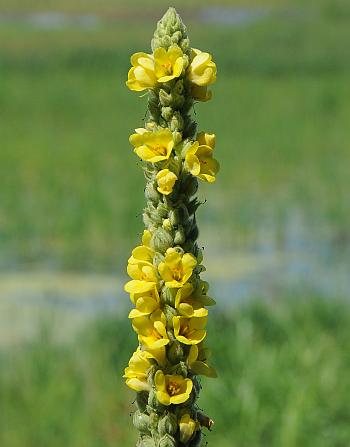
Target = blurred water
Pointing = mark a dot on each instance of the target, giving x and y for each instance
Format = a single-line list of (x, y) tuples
[(296, 263), (232, 16), (53, 20), (49, 20)]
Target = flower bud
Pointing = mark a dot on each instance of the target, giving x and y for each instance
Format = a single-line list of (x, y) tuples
[(167, 441), (181, 370), (150, 375), (167, 113), (168, 296), (177, 122), (154, 419), (154, 403), (158, 257), (167, 425), (164, 98), (161, 240), (179, 87), (147, 220), (167, 225), (162, 210), (177, 137), (174, 217), (141, 422), (176, 37), (151, 192), (153, 213), (179, 237), (146, 441), (175, 352), (187, 427), (169, 312)]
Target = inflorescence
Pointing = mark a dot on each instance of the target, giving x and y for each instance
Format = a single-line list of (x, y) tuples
[(169, 297)]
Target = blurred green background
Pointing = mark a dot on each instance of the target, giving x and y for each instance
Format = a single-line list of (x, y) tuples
[(275, 226)]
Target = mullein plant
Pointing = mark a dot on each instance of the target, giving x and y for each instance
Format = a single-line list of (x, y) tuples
[(169, 297)]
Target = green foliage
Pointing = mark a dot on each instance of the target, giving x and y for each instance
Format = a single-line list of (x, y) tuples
[(67, 173), (284, 372)]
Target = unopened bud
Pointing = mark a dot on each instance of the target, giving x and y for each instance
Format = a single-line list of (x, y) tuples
[(167, 441), (179, 237), (141, 422), (174, 217), (167, 113), (146, 441), (154, 403), (162, 210), (167, 225), (167, 425), (169, 312), (168, 296), (154, 419), (175, 352), (151, 192), (161, 240), (164, 98)]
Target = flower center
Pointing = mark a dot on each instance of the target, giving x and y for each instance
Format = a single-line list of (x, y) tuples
[(156, 334), (177, 274), (161, 150), (186, 331), (173, 388), (167, 67)]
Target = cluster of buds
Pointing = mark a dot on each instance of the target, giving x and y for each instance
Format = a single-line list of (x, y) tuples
[(169, 297)]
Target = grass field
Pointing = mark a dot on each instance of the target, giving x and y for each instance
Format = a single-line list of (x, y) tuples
[(281, 110), (71, 197), (283, 367)]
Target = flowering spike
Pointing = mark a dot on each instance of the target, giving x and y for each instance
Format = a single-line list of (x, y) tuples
[(169, 297), (170, 31)]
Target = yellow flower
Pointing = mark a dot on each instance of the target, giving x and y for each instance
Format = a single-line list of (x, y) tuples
[(172, 389), (140, 264), (189, 331), (197, 361), (188, 305), (201, 93), (141, 75), (187, 427), (206, 139), (144, 295), (151, 330), (142, 272), (158, 354), (202, 70), (168, 63), (177, 268), (153, 146), (136, 372), (143, 253), (199, 158), (200, 294), (166, 181)]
